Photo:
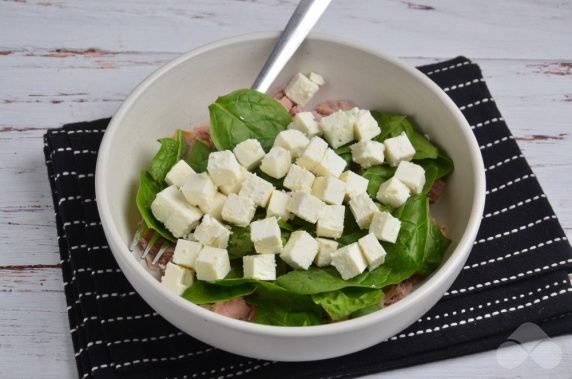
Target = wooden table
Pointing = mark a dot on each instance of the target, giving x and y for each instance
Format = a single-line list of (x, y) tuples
[(63, 61)]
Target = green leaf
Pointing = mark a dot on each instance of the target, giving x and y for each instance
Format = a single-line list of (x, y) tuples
[(346, 153), (199, 156), (205, 293), (366, 310), (244, 114), (377, 175), (277, 306), (148, 189), (435, 169), (341, 304), (239, 243), (170, 152)]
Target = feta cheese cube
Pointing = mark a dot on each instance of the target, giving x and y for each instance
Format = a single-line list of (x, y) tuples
[(338, 128), (256, 189), (265, 235), (313, 153), (278, 205), (331, 221), (393, 192), (261, 267), (186, 253), (212, 264), (329, 189), (238, 210), (171, 208), (330, 165), (234, 188), (300, 250), (349, 261), (355, 183), (212, 232), (367, 153), (307, 207), (214, 208), (363, 208), (179, 173), (317, 78), (301, 89), (277, 162), (372, 251), (305, 122), (299, 179), (177, 279), (398, 149), (199, 190), (325, 249), (385, 227), (292, 140), (365, 126), (249, 153), (223, 168), (412, 175)]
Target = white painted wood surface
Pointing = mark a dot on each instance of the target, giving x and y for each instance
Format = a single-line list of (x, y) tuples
[(64, 60)]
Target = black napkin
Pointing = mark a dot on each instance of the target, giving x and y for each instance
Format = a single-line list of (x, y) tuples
[(517, 271)]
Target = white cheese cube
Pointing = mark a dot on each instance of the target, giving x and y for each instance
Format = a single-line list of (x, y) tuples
[(249, 153), (307, 207), (265, 235), (355, 183), (277, 162), (299, 179), (363, 208), (372, 251), (300, 250), (199, 190), (365, 126), (214, 208), (292, 140), (305, 122), (234, 188), (261, 267), (300, 89), (177, 279), (256, 189), (191, 237), (412, 175), (367, 153), (179, 173), (385, 227), (278, 205), (238, 210), (313, 153), (171, 208), (223, 168), (212, 264), (329, 189), (349, 261), (212, 232), (331, 221), (325, 249), (317, 78), (338, 128), (186, 253), (398, 149), (393, 192), (330, 165)]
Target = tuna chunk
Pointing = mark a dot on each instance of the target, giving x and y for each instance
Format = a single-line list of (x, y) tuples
[(235, 308), (328, 107)]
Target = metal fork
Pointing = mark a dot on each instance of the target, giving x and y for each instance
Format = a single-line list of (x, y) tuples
[(305, 16)]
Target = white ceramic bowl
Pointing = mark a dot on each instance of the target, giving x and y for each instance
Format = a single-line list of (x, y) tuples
[(177, 96)]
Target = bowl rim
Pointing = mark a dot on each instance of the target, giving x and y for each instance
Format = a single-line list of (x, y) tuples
[(125, 258)]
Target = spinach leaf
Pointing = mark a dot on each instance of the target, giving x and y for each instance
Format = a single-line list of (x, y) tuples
[(199, 156), (435, 169), (315, 280), (244, 114), (239, 243), (170, 152), (340, 304), (148, 189), (393, 125), (277, 306), (205, 293), (377, 175), (365, 311)]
